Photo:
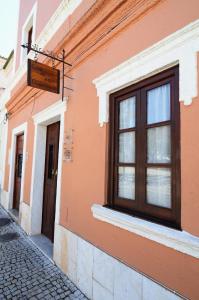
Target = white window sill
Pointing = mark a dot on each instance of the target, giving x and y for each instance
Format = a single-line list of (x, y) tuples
[(178, 240)]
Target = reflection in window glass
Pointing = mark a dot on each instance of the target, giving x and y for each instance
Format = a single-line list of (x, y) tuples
[(126, 183), (159, 187), (19, 164), (158, 104), (159, 145), (50, 161), (127, 113), (127, 147)]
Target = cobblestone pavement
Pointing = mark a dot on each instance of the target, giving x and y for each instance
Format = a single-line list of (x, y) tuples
[(26, 273)]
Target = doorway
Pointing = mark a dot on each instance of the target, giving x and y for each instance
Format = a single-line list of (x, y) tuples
[(18, 171), (50, 180)]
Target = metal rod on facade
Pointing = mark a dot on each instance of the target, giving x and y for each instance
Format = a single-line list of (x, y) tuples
[(63, 75), (68, 76), (48, 55), (68, 88)]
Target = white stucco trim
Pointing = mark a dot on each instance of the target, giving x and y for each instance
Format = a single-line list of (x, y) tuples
[(3, 143), (179, 240), (180, 47), (4, 147), (64, 10), (51, 111), (44, 118), (30, 22), (15, 132)]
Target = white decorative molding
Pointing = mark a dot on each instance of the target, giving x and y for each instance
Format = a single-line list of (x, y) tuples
[(64, 10), (30, 22), (23, 128), (179, 240), (3, 143), (42, 119), (51, 111), (180, 47)]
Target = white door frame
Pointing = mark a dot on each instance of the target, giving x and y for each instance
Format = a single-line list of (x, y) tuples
[(3, 144), (44, 118), (22, 129)]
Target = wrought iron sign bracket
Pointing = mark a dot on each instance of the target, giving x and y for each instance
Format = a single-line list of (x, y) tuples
[(54, 57), (6, 117)]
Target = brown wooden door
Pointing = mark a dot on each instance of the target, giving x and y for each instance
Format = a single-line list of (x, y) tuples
[(50, 180), (18, 171)]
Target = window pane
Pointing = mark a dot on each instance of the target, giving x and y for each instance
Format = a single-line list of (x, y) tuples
[(19, 164), (159, 187), (127, 113), (126, 183), (159, 145), (50, 161), (127, 147), (158, 104)]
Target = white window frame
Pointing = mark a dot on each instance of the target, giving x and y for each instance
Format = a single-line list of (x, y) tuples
[(30, 22)]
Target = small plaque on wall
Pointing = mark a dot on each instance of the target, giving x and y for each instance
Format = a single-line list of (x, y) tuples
[(67, 154), (68, 146)]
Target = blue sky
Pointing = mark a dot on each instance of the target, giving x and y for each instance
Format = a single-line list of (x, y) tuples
[(8, 25)]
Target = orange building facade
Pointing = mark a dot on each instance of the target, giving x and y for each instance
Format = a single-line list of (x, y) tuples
[(110, 174)]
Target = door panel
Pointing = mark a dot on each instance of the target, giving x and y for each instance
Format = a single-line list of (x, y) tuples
[(50, 180), (18, 171)]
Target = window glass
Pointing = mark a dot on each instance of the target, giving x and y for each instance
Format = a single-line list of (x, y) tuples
[(50, 161), (30, 39), (126, 182), (159, 145), (127, 147), (19, 163), (127, 113), (159, 187), (158, 104)]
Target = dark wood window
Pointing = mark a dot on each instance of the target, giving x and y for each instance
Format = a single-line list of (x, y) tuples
[(29, 39), (144, 152)]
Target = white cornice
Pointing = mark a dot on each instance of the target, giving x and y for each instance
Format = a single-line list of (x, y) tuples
[(178, 240), (64, 10), (181, 48)]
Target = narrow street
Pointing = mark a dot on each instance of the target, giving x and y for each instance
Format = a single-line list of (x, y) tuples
[(25, 272)]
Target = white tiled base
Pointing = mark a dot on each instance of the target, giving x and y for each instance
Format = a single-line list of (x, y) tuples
[(24, 217), (101, 276), (4, 199), (24, 211)]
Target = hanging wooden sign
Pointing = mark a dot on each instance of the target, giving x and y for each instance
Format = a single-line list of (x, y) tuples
[(43, 77)]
